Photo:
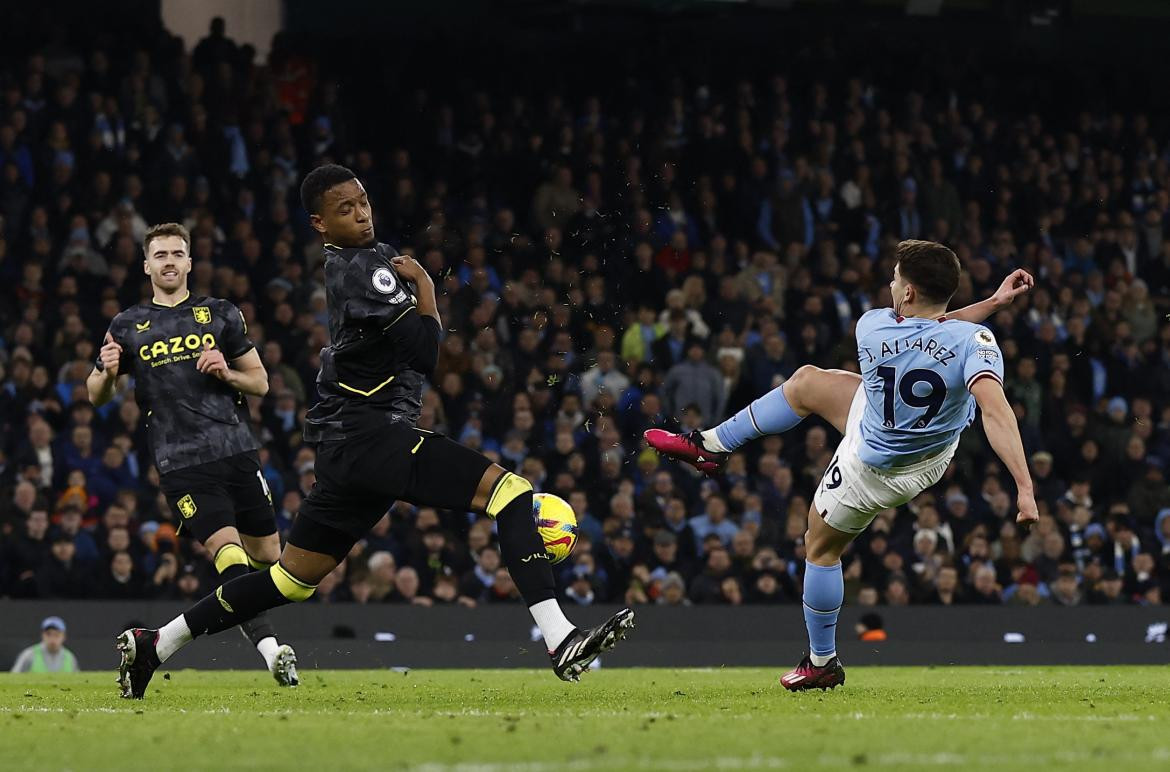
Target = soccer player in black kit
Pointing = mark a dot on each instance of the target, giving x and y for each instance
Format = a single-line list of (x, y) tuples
[(385, 331), (192, 363)]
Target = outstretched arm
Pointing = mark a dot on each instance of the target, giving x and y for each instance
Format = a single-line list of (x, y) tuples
[(1017, 283), (999, 423)]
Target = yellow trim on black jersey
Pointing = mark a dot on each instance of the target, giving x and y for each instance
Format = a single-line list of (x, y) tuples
[(366, 393), (177, 303), (408, 308)]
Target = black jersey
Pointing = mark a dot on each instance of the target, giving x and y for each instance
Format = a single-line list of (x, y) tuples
[(191, 417), (381, 348)]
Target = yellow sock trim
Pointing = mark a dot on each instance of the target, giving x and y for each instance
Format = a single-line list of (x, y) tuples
[(230, 555), (508, 487), (288, 585), (258, 565)]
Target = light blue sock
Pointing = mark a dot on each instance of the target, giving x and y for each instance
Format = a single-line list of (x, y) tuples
[(824, 589), (770, 414)]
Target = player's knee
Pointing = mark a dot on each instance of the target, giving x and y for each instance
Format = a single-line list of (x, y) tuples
[(261, 561), (289, 586), (508, 488), (798, 385), (821, 550), (804, 374), (264, 554), (230, 555)]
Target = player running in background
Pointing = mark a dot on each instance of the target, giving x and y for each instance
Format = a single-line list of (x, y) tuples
[(922, 373), (192, 364), (385, 340)]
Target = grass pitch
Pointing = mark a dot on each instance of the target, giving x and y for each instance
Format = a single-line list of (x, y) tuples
[(484, 721)]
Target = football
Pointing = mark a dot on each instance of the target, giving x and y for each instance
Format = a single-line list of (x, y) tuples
[(557, 524)]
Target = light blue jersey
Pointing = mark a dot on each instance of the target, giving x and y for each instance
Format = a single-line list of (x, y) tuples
[(917, 375)]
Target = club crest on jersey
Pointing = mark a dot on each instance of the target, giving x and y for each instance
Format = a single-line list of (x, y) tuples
[(186, 506), (383, 281), (202, 314), (984, 338)]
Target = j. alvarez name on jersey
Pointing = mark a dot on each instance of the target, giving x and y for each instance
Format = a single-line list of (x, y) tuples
[(895, 346), (917, 374)]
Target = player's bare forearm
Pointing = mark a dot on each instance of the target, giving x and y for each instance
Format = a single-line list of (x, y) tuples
[(1017, 283), (101, 385), (250, 382), (427, 303), (976, 312), (408, 268), (1003, 433), (247, 375)]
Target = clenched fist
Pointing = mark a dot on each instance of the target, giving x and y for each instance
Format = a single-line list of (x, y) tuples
[(409, 268), (1016, 284), (211, 361), (110, 355)]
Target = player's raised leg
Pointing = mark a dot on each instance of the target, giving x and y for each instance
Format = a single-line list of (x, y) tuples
[(507, 498), (448, 475), (827, 393)]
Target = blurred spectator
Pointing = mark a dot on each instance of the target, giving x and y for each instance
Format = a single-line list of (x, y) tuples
[(661, 262), (50, 655)]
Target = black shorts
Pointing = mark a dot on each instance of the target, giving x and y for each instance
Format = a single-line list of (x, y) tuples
[(360, 477), (229, 492)]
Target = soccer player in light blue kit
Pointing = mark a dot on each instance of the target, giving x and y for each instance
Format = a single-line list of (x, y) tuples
[(923, 371)]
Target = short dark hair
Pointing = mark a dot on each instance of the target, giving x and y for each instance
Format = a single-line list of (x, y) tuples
[(320, 180), (932, 268), (162, 230)]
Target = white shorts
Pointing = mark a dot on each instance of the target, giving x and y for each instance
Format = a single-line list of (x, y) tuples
[(851, 494)]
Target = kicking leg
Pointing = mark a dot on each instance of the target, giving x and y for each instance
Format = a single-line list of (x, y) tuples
[(507, 497), (449, 475), (827, 393)]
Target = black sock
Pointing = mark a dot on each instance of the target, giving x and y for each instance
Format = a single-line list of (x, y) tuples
[(258, 627), (522, 551), (234, 603)]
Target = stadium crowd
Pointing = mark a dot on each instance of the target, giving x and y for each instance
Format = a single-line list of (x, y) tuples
[(605, 265)]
